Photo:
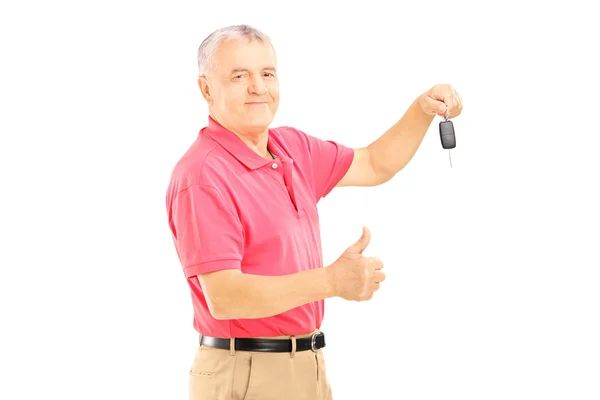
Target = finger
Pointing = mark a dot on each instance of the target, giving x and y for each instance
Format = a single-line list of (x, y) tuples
[(434, 107), (379, 276), (375, 262), (450, 105), (369, 291), (364, 240)]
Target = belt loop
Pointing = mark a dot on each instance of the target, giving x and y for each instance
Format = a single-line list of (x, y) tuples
[(293, 353), (232, 347)]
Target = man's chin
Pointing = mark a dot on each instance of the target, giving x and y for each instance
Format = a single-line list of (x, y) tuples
[(260, 123)]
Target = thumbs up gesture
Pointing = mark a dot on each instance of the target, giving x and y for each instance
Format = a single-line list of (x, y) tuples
[(354, 276)]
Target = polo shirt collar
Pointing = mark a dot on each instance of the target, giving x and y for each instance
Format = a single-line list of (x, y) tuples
[(237, 148)]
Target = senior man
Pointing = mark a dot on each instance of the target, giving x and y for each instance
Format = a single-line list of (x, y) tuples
[(242, 209)]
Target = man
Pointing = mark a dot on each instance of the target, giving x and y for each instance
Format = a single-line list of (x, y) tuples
[(242, 208)]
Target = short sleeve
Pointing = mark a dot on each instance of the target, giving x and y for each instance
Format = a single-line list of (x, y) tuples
[(207, 235), (330, 161)]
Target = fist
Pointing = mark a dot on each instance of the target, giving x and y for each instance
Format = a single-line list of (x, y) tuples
[(442, 100), (355, 277)]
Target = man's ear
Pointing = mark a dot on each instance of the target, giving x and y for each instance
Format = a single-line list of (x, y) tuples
[(204, 88)]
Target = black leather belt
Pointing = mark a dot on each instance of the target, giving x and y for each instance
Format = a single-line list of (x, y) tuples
[(314, 343)]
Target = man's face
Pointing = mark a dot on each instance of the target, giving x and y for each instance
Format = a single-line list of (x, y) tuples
[(242, 90)]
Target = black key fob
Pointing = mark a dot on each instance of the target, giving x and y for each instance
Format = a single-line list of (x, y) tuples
[(447, 134)]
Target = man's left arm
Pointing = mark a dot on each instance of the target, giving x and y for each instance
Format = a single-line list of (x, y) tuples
[(385, 157)]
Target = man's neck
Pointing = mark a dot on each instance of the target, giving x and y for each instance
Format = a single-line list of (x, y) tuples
[(256, 141)]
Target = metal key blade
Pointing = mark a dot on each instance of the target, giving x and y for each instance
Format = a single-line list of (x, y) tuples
[(450, 158)]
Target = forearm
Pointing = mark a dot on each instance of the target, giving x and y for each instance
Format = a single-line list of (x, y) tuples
[(397, 146), (257, 296)]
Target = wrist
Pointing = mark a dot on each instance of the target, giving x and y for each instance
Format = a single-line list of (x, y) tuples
[(420, 102), (329, 281)]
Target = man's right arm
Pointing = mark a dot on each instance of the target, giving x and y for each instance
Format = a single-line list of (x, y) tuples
[(210, 244), (231, 294)]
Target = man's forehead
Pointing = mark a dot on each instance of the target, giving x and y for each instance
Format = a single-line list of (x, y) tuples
[(242, 50)]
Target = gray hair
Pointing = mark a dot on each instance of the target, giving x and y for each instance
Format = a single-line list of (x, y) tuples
[(210, 45)]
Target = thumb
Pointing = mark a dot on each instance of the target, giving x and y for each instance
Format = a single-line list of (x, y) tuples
[(363, 242), (433, 106)]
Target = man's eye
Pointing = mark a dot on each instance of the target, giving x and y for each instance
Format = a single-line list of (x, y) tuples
[(239, 76), (268, 74)]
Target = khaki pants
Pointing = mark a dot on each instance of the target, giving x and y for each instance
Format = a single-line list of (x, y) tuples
[(218, 374)]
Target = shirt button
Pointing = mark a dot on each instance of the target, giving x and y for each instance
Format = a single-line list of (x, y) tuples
[(274, 165)]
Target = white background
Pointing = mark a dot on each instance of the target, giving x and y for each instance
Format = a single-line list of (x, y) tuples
[(493, 266)]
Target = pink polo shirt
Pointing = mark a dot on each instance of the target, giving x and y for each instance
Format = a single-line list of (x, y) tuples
[(229, 208)]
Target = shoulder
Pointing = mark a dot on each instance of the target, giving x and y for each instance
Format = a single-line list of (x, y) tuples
[(295, 140), (288, 133), (200, 165)]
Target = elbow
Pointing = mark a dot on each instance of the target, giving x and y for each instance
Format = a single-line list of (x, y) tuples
[(382, 177), (385, 173), (223, 293), (215, 311), (220, 308), (381, 174), (234, 307), (228, 305), (219, 315)]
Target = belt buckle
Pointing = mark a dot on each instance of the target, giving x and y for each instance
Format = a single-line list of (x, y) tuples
[(313, 341)]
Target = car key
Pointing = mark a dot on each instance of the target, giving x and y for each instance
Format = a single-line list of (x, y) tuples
[(447, 136)]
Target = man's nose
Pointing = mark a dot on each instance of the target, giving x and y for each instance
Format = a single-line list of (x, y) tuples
[(258, 87)]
